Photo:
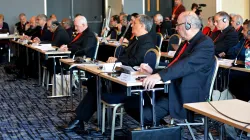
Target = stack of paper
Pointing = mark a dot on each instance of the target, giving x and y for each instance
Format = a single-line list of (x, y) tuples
[(44, 47)]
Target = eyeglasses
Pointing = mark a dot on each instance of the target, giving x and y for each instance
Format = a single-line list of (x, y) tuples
[(179, 24)]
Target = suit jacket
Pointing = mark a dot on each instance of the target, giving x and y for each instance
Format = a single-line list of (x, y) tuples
[(85, 45), (113, 33), (60, 37), (178, 11), (190, 75), (33, 32), (133, 55), (240, 35), (164, 28), (70, 33), (5, 28), (128, 34), (234, 51), (21, 27), (45, 34), (224, 40)]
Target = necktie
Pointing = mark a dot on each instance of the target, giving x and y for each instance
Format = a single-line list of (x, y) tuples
[(180, 53), (77, 37)]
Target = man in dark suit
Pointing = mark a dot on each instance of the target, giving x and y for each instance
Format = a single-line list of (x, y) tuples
[(226, 36), (133, 56), (45, 34), (67, 25), (85, 42), (4, 28), (59, 35), (31, 29), (190, 73), (162, 26), (237, 22), (21, 25)]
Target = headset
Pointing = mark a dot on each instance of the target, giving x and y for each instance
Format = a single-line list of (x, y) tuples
[(237, 23), (248, 32), (187, 25), (224, 20)]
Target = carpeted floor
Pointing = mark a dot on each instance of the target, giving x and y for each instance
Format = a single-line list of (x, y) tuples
[(27, 113)]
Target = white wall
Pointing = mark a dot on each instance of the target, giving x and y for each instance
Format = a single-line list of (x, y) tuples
[(240, 7)]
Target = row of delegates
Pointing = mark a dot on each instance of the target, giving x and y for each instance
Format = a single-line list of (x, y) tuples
[(194, 62), (133, 55), (239, 81)]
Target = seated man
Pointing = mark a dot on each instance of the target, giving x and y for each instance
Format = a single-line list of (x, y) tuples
[(4, 28), (31, 29), (237, 22), (132, 56), (59, 37), (239, 49), (162, 26), (67, 25), (45, 34), (226, 38), (85, 41), (113, 29), (21, 25), (190, 73)]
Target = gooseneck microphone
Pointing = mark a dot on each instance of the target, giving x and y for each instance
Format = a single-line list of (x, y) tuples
[(236, 58), (126, 30)]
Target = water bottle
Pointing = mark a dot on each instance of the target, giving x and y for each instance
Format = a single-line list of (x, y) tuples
[(247, 58), (15, 31)]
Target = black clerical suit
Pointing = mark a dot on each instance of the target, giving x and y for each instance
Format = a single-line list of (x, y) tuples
[(33, 32), (164, 28), (224, 40), (70, 33), (132, 56), (240, 35), (83, 45), (59, 37), (45, 34), (21, 27), (190, 79)]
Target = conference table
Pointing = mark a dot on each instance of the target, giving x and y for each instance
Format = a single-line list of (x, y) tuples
[(51, 53), (94, 68), (7, 36), (235, 109)]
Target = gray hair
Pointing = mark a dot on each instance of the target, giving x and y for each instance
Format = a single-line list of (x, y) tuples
[(22, 14), (193, 19), (224, 15), (159, 17), (42, 16), (146, 20), (239, 19)]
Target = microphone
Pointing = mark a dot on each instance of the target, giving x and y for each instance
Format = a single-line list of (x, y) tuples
[(236, 58)]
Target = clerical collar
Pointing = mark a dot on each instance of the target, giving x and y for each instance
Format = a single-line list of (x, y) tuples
[(195, 37)]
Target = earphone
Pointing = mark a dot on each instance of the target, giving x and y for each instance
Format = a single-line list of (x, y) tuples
[(187, 25), (248, 32), (237, 23), (224, 20)]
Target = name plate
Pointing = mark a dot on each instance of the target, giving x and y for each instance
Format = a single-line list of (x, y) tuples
[(126, 77)]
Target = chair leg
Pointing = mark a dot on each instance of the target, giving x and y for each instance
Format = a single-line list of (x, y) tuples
[(113, 123), (47, 83), (103, 117), (190, 130), (121, 117), (44, 73)]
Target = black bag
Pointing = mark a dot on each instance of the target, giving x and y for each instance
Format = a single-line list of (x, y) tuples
[(155, 133)]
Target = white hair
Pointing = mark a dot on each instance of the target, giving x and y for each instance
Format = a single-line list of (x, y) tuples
[(159, 17), (82, 19)]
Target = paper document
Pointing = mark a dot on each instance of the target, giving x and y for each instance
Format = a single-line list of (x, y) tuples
[(44, 47), (226, 62)]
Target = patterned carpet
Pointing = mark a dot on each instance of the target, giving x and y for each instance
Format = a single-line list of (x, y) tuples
[(27, 113)]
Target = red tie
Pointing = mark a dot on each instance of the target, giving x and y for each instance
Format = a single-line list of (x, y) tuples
[(159, 29), (41, 32), (77, 37), (180, 53)]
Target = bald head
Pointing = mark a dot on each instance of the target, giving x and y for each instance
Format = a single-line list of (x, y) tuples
[(158, 19), (33, 22), (80, 24), (188, 25), (66, 23)]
